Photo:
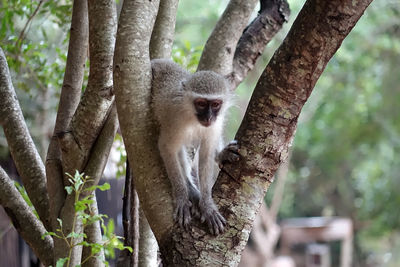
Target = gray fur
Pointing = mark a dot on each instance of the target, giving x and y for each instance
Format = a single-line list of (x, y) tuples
[(174, 90), (207, 82)]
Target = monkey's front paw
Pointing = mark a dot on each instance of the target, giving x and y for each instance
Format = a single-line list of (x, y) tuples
[(229, 154), (215, 221), (182, 213)]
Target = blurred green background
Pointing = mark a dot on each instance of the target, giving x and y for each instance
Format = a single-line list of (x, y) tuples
[(345, 158)]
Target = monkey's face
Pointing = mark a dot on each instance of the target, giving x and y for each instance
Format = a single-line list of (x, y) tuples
[(207, 110)]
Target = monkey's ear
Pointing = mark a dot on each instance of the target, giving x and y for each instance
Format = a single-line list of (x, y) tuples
[(230, 78)]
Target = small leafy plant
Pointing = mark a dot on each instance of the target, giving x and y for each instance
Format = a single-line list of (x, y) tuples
[(83, 199)]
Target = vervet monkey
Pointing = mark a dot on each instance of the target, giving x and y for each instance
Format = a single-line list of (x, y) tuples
[(191, 109)]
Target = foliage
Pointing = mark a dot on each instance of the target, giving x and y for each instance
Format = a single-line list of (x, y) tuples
[(187, 55), (195, 21), (83, 212), (344, 157), (121, 163), (34, 38)]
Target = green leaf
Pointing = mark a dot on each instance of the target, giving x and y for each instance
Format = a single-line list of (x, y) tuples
[(104, 187), (60, 262), (51, 234), (75, 235), (69, 189)]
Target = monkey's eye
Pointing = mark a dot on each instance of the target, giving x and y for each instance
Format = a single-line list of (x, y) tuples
[(201, 103), (216, 104)]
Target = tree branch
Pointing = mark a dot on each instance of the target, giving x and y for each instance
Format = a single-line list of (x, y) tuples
[(69, 99), (90, 117), (21, 36), (93, 109), (132, 77), (24, 221), (94, 169), (130, 222), (257, 35), (268, 128), (163, 33), (220, 47), (147, 242), (22, 148), (101, 149)]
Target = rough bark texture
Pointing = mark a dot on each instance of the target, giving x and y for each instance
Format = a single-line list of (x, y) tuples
[(69, 99), (92, 111), (94, 169), (23, 151), (267, 132), (89, 120), (272, 15), (220, 47), (101, 148), (163, 33), (24, 221)]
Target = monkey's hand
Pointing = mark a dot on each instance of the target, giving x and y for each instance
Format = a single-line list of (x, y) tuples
[(182, 212), (229, 154), (210, 214)]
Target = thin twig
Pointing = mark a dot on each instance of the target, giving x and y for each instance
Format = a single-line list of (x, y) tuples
[(22, 34)]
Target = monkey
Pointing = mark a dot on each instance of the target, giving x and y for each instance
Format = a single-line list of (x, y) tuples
[(190, 110)]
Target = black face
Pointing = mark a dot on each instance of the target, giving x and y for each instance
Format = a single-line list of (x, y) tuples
[(207, 110)]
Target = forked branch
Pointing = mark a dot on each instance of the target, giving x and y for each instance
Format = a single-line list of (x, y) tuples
[(220, 47), (93, 109), (69, 99)]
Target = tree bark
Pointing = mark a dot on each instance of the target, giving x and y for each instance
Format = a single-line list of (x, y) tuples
[(220, 47), (25, 222), (147, 243), (23, 151), (161, 41), (130, 221), (266, 132), (81, 145), (270, 19), (69, 99), (96, 101), (132, 77), (163, 33)]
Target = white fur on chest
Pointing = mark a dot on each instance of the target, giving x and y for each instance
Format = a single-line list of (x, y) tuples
[(195, 133)]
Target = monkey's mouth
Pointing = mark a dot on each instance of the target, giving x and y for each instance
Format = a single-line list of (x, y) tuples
[(206, 123)]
